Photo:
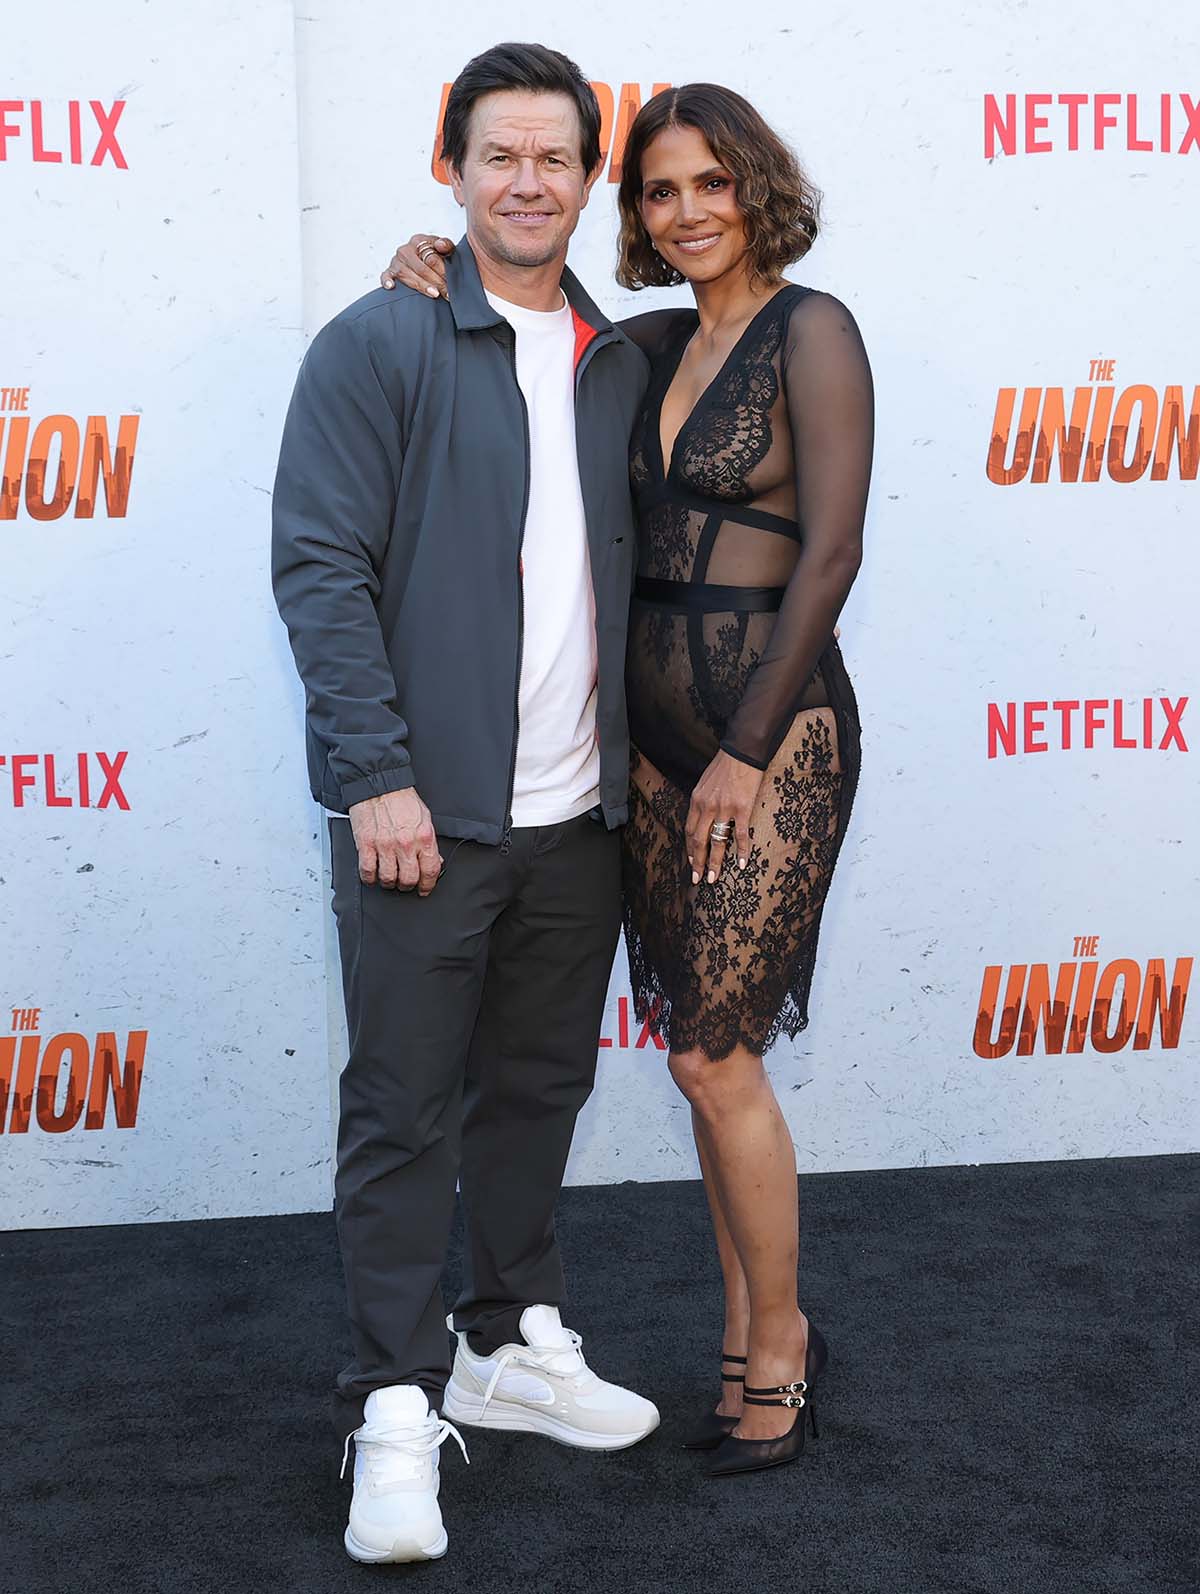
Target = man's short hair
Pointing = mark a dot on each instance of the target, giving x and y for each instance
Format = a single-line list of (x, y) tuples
[(531, 67)]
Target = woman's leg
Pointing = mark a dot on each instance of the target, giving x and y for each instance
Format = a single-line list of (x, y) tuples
[(737, 1298), (754, 1163)]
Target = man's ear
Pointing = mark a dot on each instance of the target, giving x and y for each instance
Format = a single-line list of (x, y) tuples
[(588, 181), (456, 183)]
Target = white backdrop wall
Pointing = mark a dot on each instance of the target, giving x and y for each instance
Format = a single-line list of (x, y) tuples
[(273, 159)]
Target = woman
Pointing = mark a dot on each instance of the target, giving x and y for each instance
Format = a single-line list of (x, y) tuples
[(750, 466)]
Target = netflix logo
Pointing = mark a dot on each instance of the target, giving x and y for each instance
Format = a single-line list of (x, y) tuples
[(71, 780), (46, 466), (1069, 723), (67, 1081), (1102, 1008), (49, 133), (1046, 124), (1120, 435), (631, 1036)]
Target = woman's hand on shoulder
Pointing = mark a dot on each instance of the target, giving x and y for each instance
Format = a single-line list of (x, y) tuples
[(420, 264), (727, 790)]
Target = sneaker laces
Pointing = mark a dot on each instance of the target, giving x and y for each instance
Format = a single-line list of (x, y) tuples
[(419, 1441), (566, 1361)]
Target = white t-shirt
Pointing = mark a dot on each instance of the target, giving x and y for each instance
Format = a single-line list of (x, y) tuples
[(558, 757), (557, 773)]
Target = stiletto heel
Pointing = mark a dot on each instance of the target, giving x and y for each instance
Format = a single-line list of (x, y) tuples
[(713, 1427), (713, 1430)]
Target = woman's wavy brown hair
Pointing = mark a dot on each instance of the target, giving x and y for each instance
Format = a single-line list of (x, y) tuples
[(779, 203)]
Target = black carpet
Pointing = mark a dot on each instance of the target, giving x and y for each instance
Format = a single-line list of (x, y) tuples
[(1011, 1403)]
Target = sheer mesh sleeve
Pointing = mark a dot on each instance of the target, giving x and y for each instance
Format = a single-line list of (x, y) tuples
[(651, 329), (827, 382)]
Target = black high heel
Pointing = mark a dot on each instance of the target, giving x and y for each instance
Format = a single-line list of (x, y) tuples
[(713, 1427), (753, 1455)]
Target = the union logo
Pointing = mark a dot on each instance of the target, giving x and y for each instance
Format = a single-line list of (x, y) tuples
[(47, 465), (68, 1081), (1104, 1008), (1102, 432), (617, 111)]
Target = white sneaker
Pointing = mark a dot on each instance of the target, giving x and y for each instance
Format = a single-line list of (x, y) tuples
[(546, 1387), (394, 1515)]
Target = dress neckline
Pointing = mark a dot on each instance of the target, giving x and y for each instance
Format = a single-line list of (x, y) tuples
[(665, 465)]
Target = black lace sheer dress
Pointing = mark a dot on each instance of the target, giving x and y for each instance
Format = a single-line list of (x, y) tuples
[(748, 541)]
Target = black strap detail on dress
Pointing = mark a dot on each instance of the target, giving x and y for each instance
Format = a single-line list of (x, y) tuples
[(687, 597), (731, 511)]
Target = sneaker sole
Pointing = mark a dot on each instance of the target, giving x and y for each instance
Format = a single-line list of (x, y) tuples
[(520, 1419), (401, 1550)]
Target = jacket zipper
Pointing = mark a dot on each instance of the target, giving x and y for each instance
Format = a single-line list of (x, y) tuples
[(600, 341), (506, 836)]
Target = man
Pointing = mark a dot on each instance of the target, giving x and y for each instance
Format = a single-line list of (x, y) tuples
[(453, 550)]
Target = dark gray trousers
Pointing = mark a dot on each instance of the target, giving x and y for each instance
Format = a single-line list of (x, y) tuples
[(474, 1017)]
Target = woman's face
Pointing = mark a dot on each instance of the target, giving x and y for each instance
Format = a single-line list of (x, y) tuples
[(689, 205)]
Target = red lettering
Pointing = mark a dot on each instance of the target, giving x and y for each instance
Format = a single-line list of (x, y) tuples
[(106, 144), (1066, 707), (21, 782), (8, 129), (1103, 119), (40, 152), (1132, 141), (1191, 135), (1119, 739), (1170, 1014), (1002, 732), (111, 770), (1034, 724), (1093, 709), (999, 127), (124, 1089), (1035, 124), (983, 1043), (1173, 735), (1073, 103), (48, 1116), (53, 800)]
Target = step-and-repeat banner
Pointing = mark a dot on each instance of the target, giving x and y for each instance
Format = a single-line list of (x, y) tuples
[(1012, 213)]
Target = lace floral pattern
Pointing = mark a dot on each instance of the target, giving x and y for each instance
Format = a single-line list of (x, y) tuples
[(714, 967), (731, 964), (729, 433)]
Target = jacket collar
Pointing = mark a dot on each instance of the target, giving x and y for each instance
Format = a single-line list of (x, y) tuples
[(472, 310)]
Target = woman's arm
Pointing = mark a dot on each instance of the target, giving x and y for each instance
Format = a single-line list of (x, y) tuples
[(830, 402), (425, 275)]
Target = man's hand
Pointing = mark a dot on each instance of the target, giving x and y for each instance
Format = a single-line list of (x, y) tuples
[(426, 275), (397, 848)]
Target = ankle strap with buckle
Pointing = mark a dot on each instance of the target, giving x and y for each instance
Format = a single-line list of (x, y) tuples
[(779, 1395)]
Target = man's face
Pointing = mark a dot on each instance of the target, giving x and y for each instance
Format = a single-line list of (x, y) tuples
[(522, 181)]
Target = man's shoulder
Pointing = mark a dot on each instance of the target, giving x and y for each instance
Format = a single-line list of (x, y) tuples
[(394, 316)]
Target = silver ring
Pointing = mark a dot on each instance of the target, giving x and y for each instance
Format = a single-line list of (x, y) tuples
[(424, 252), (721, 831)]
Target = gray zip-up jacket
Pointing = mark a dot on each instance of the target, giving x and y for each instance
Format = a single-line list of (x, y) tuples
[(399, 510)]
